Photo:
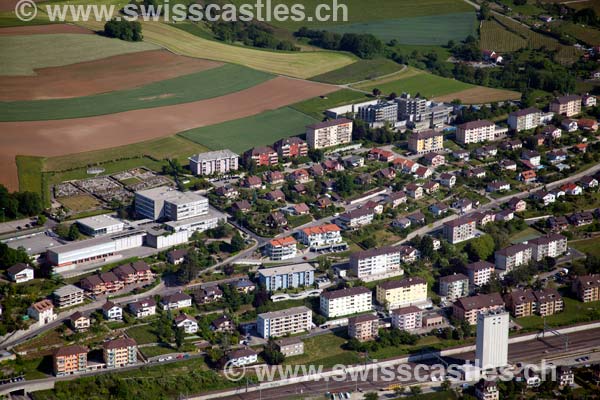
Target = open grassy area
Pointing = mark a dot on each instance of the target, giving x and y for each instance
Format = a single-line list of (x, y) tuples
[(241, 134), (202, 85), (81, 203), (297, 64), (527, 234), (422, 30), (324, 350), (588, 246), (143, 334), (416, 81), (30, 178), (359, 71), (316, 106), (9, 19), (153, 351), (28, 52), (585, 33), (575, 311)]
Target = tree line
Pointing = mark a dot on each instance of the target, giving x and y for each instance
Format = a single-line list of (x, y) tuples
[(363, 45)]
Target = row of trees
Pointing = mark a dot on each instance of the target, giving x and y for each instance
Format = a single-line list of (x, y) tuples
[(251, 34), (363, 45)]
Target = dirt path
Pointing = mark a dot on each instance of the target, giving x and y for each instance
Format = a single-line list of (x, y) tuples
[(61, 137)]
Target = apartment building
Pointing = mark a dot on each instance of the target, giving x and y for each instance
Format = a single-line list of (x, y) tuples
[(217, 162), (281, 248), (322, 237), (513, 256), (411, 108), (478, 131), (467, 308), (329, 133), (291, 147), (552, 245), (42, 311), (363, 327), (119, 352), (346, 301), (68, 296), (522, 120), (138, 271), (380, 113), (70, 360), (375, 261), (479, 272), (405, 292), (261, 156), (99, 225), (454, 286), (356, 218), (587, 287), (426, 141), (407, 318), (287, 276), (566, 105), (526, 302), (280, 323), (460, 229), (170, 204), (143, 308), (290, 347)]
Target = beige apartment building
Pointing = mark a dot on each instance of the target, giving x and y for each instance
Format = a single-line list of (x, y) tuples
[(329, 133), (363, 327), (477, 132), (587, 287), (566, 105), (426, 141), (396, 294), (460, 229)]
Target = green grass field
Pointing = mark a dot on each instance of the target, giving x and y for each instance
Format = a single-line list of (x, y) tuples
[(359, 71), (415, 81), (324, 350), (314, 107), (9, 19), (143, 334), (575, 311), (28, 52), (526, 234), (241, 134), (424, 30), (586, 34), (588, 246), (202, 85)]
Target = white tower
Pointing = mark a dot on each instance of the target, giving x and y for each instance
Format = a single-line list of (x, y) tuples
[(491, 350)]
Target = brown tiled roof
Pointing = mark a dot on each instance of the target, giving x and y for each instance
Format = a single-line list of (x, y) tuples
[(475, 124), (479, 301), (326, 124), (362, 318), (453, 278), (70, 351), (407, 310), (119, 343), (406, 282)]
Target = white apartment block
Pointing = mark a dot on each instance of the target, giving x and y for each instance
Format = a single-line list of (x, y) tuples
[(454, 286), (375, 261), (321, 236), (329, 133), (280, 323), (478, 131), (281, 249), (522, 120), (407, 318), (552, 245), (479, 272), (460, 229), (68, 296), (491, 349), (100, 225), (513, 256), (405, 292), (346, 301), (356, 218), (214, 162), (167, 203)]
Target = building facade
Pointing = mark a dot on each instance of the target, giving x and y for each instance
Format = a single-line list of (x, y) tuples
[(214, 162), (287, 276), (329, 133), (375, 261), (426, 141), (280, 323), (346, 301), (491, 349), (405, 292)]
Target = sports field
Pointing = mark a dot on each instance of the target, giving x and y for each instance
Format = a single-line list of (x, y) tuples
[(261, 129), (202, 85), (296, 64), (415, 81), (359, 71), (425, 30), (28, 52)]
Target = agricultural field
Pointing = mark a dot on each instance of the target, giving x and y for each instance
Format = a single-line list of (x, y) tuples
[(316, 106), (201, 85), (593, 4), (121, 72), (588, 246), (359, 71), (29, 52), (480, 95), (261, 129), (586, 34), (425, 30), (296, 64), (416, 81), (496, 37), (529, 8)]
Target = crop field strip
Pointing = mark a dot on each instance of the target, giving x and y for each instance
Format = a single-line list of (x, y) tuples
[(202, 85), (495, 36)]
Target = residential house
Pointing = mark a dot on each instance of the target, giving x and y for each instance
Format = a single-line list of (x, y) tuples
[(187, 323), (431, 187), (463, 205), (176, 301), (507, 165), (569, 125), (20, 273), (143, 308), (290, 347), (517, 205), (527, 176), (497, 186), (79, 322), (274, 177), (355, 219), (177, 256), (395, 199), (439, 209), (434, 159), (275, 195), (241, 357), (112, 312), (413, 190), (222, 324), (447, 180), (42, 311), (252, 182)]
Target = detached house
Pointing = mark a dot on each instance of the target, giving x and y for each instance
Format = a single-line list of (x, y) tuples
[(447, 180), (176, 301)]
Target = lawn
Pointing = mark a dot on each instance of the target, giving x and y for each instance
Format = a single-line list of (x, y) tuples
[(81, 203), (316, 106), (9, 19), (30, 178), (416, 81), (143, 334), (324, 350), (423, 30), (296, 64), (359, 71), (153, 351), (28, 52), (575, 311), (588, 246), (241, 134), (526, 234), (202, 85)]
